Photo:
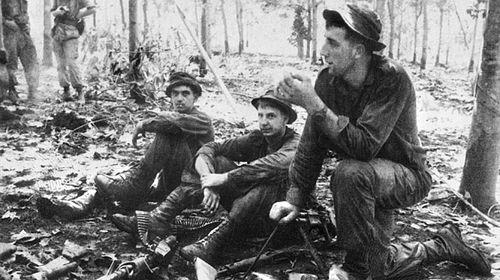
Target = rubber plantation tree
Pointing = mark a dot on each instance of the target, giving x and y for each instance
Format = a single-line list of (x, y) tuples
[(475, 12), (299, 31), (442, 6), (482, 159), (47, 40), (425, 36), (224, 22), (417, 5), (239, 22), (314, 31), (132, 31), (205, 26)]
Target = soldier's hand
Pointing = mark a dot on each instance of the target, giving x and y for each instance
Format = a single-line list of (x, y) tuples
[(139, 129), (61, 10), (213, 179), (284, 212), (211, 200), (298, 89)]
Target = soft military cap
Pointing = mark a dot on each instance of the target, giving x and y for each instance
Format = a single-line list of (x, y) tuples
[(362, 21), (182, 79), (283, 105)]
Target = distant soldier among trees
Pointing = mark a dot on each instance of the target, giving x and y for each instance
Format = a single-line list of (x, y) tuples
[(68, 27), (18, 44)]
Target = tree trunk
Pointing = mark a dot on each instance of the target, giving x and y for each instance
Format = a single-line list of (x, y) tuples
[(441, 16), (473, 48), (380, 9), (461, 25), (309, 29), (94, 17), (145, 16), (132, 31), (239, 20), (300, 46), (197, 25), (205, 26), (415, 31), (122, 9), (224, 22), (483, 150), (314, 31), (425, 37), (392, 17), (448, 42), (47, 40), (400, 28)]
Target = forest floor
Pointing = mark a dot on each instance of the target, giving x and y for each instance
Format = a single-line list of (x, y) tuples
[(49, 151)]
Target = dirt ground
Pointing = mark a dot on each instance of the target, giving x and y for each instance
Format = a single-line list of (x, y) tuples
[(38, 157)]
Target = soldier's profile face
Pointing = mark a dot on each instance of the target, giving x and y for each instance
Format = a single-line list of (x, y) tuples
[(337, 51), (272, 121), (183, 99)]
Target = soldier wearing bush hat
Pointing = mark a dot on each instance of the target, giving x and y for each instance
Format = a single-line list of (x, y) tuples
[(178, 135), (362, 107)]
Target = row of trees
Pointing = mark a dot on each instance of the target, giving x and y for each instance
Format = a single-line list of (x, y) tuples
[(396, 21), (414, 30)]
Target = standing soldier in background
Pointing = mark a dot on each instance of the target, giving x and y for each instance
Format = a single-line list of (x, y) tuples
[(68, 27), (18, 43)]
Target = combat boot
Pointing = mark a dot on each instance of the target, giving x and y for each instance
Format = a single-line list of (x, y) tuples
[(80, 95), (207, 247), (128, 187), (66, 95), (125, 223), (448, 245), (67, 209)]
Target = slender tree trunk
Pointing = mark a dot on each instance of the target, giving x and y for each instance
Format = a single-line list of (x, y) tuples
[(448, 42), (300, 46), (132, 33), (483, 150), (309, 29), (198, 21), (145, 15), (122, 9), (314, 31), (224, 22), (425, 37), (47, 40), (400, 30), (94, 17), (461, 25), (2, 45), (441, 16), (239, 20), (205, 26), (380, 8), (473, 48), (392, 16), (415, 31)]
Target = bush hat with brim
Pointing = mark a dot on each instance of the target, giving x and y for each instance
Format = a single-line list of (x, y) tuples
[(362, 21), (283, 105), (182, 79)]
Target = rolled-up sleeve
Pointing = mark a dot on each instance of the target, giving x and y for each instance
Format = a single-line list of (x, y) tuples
[(175, 123), (273, 166), (306, 165)]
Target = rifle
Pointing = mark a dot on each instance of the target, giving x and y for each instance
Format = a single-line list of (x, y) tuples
[(162, 251)]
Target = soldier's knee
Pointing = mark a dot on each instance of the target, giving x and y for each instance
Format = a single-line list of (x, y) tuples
[(350, 175)]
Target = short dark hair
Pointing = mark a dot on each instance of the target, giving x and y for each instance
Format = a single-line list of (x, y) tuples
[(350, 35)]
